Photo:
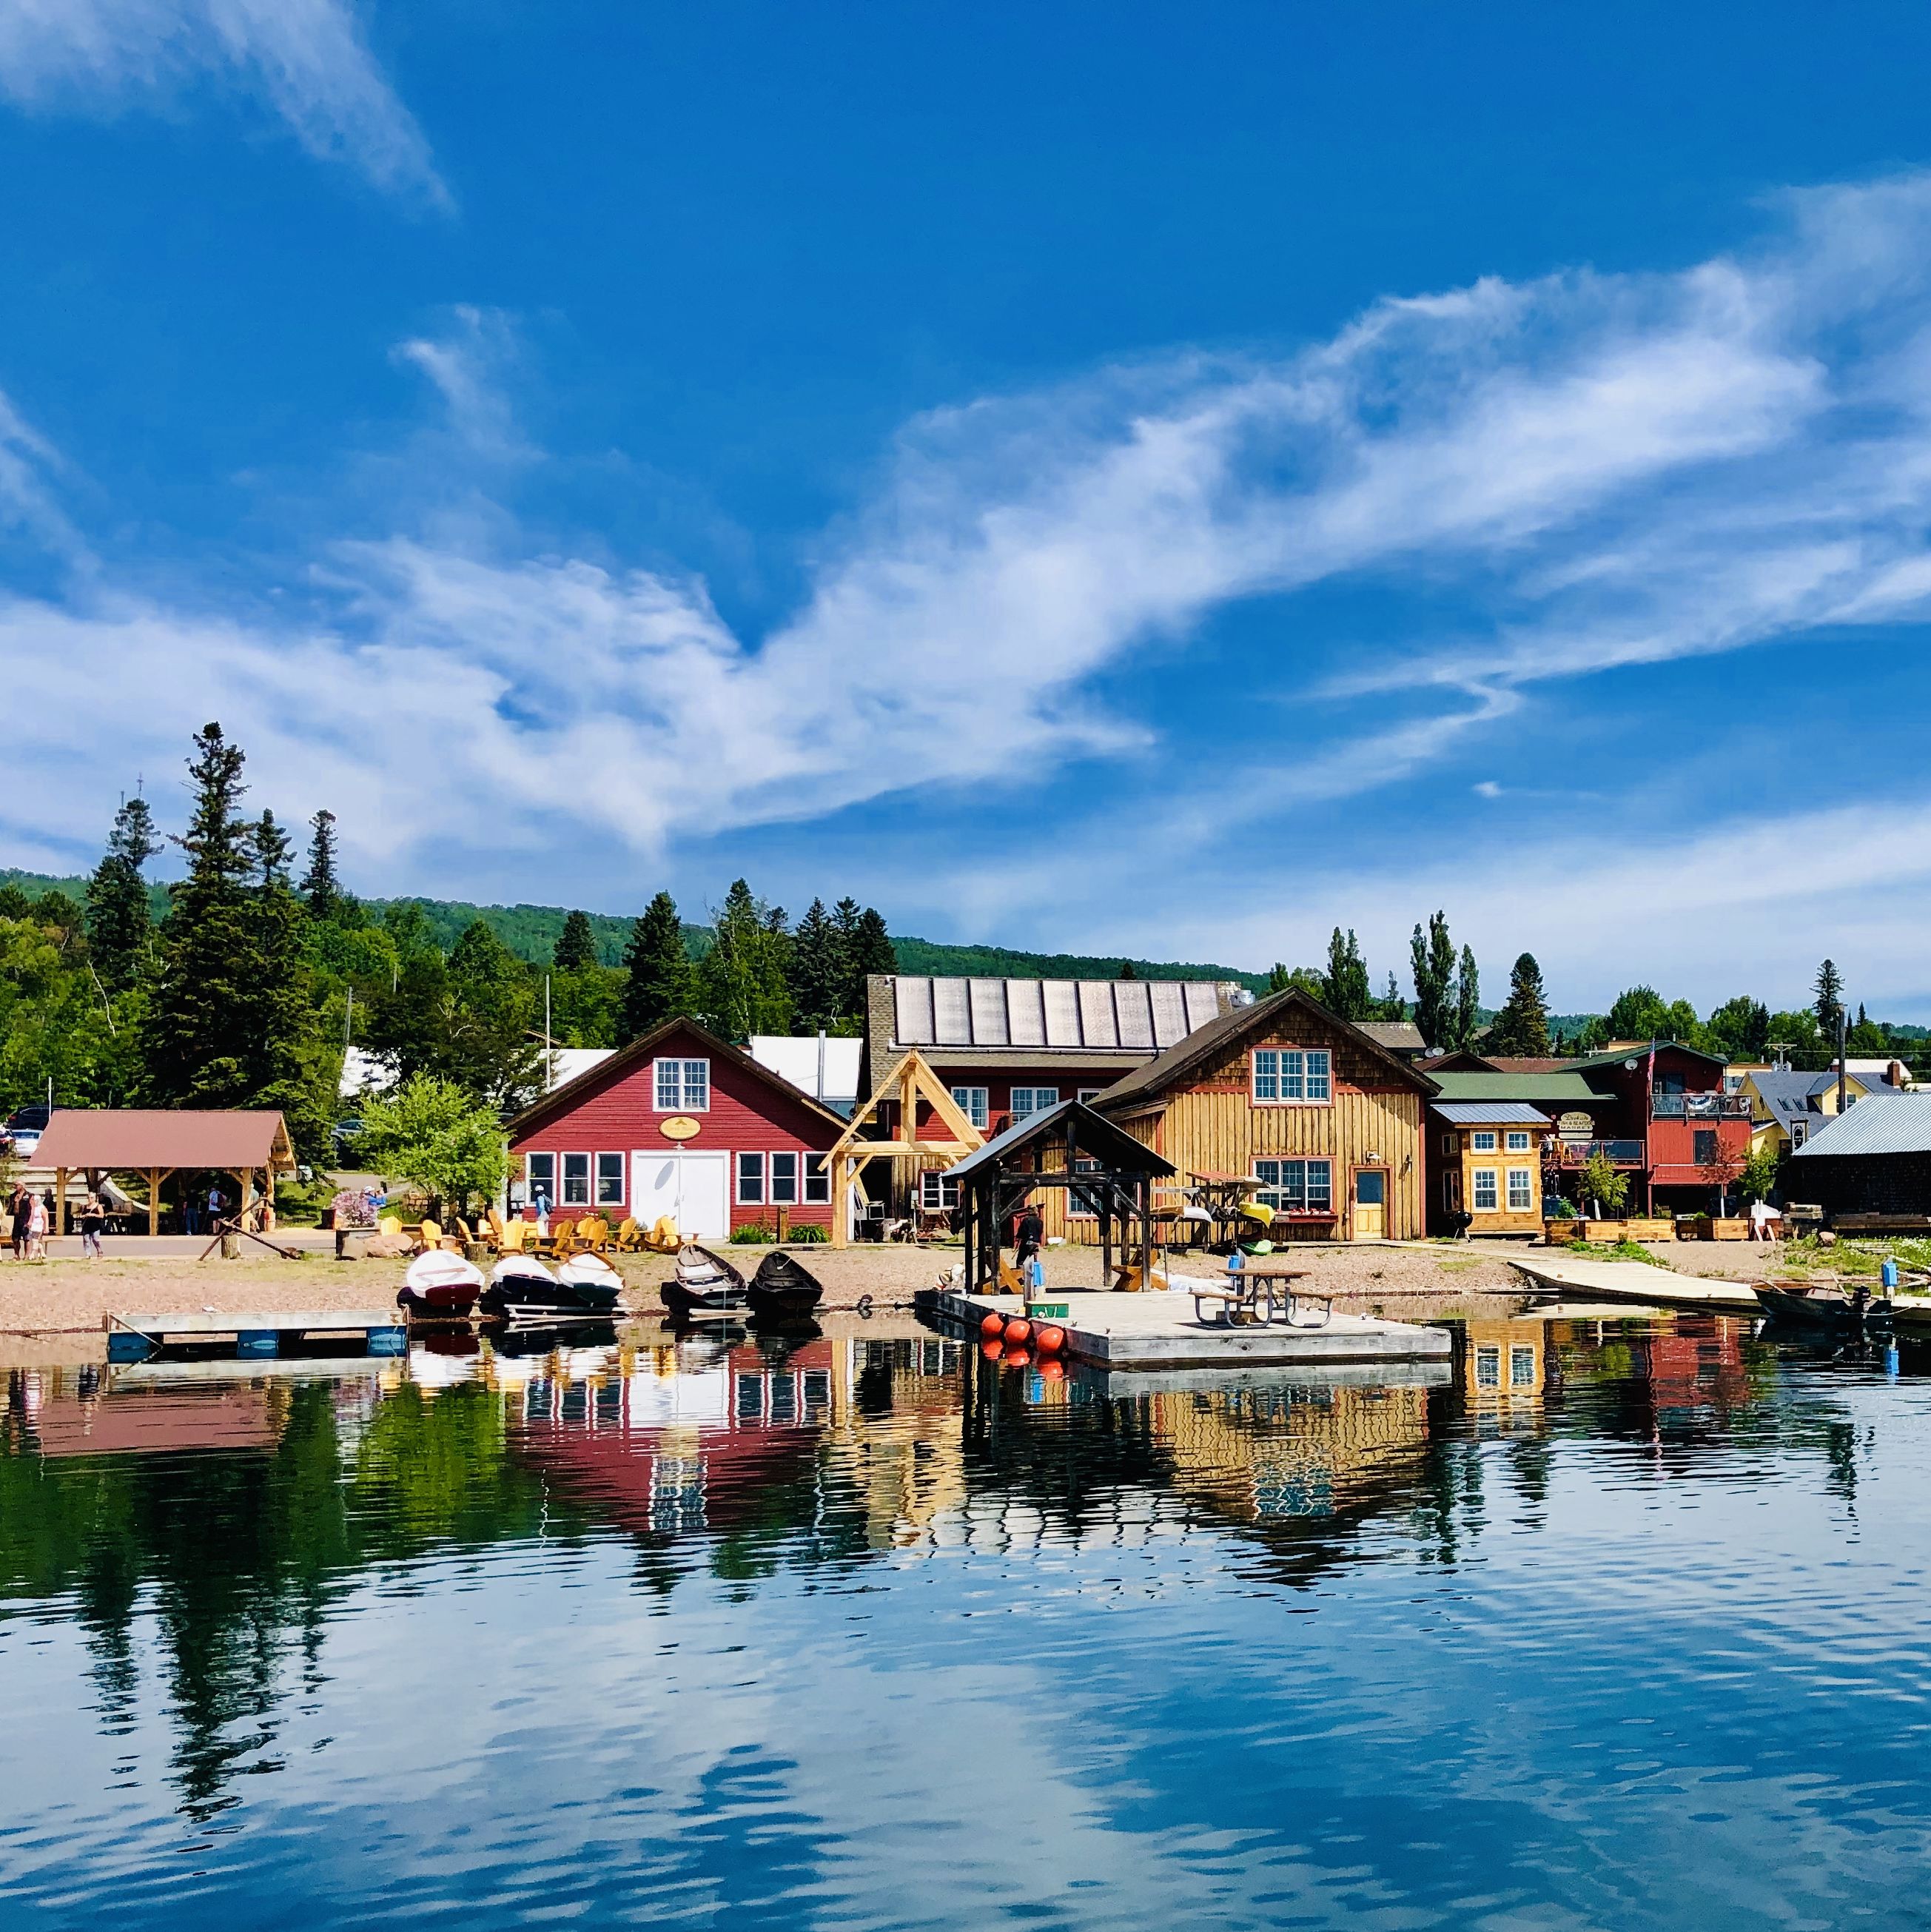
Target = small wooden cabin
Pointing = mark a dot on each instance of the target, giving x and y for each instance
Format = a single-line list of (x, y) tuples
[(1326, 1118), (1486, 1156)]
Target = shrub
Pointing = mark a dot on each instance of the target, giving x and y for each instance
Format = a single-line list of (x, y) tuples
[(1562, 1209), (809, 1232), (753, 1233)]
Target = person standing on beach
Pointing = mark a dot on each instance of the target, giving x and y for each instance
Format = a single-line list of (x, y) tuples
[(93, 1220), (37, 1228), (16, 1207)]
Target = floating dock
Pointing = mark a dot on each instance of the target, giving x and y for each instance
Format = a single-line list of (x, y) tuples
[(261, 1336), (1159, 1330), (1634, 1283)]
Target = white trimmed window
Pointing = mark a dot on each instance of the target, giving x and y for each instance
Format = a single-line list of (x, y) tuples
[(1081, 1205), (1296, 1186), (1086, 1095), (784, 1179), (1481, 1195), (1485, 1140), (576, 1181), (1292, 1076), (1521, 1189), (1027, 1101), (1522, 1366), (817, 1177), (937, 1190), (1517, 1141), (683, 1086), (1448, 1143), (609, 1180), (972, 1102), (539, 1176), (1488, 1367), (750, 1179)]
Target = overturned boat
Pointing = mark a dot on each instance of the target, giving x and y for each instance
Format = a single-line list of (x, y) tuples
[(440, 1287), (704, 1284), (522, 1289), (783, 1289)]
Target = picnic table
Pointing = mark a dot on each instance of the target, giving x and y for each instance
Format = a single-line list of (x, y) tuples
[(1263, 1291)]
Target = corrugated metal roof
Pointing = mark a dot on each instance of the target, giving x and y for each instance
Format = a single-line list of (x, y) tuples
[(1562, 1089), (128, 1140), (1070, 1016), (1489, 1113), (1098, 1138), (1903, 1125)]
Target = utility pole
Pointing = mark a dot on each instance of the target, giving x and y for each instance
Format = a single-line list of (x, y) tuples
[(1842, 1017), (549, 1056)]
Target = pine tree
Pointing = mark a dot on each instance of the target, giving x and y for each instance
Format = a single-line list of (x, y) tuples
[(1467, 999), (292, 1068), (1827, 1002), (321, 887), (1523, 1025), (1433, 959), (492, 1022), (817, 969), (871, 951), (1346, 990), (1126, 969), (660, 982), (576, 945), (119, 925)]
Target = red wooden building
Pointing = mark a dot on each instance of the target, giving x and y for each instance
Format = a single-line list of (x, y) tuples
[(679, 1123)]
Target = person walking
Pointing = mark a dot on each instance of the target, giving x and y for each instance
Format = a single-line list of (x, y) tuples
[(93, 1222), (16, 1208), (36, 1228)]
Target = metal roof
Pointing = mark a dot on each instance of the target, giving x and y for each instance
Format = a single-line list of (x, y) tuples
[(1489, 1113), (1068, 1016), (133, 1141), (1097, 1138), (1904, 1127), (1553, 1090)]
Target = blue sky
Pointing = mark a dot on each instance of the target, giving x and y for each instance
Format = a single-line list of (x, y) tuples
[(1100, 477)]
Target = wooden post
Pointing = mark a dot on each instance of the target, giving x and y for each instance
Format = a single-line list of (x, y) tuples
[(153, 1202), (60, 1200)]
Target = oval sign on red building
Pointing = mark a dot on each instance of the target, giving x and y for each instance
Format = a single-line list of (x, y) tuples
[(680, 1127)]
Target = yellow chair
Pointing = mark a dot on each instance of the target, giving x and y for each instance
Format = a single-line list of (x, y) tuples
[(593, 1232), (510, 1235), (429, 1235), (390, 1224), (664, 1236), (628, 1236)]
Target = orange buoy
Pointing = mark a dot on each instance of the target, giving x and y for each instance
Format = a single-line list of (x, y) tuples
[(1050, 1340), (1018, 1329), (1052, 1369), (992, 1347), (1018, 1358), (993, 1324)]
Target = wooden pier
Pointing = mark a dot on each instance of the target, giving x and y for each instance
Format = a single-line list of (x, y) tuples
[(1580, 1277), (256, 1335), (1159, 1330)]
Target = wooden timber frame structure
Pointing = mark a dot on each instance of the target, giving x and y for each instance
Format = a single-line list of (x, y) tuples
[(909, 1081), (1044, 1150)]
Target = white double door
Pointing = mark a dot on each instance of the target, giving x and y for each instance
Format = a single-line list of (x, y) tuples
[(693, 1188)]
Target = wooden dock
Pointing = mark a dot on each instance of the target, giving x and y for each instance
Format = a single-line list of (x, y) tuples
[(1159, 1331), (257, 1335), (1579, 1277)]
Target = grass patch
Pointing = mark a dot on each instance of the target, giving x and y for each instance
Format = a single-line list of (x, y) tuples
[(1458, 1264), (1616, 1251)]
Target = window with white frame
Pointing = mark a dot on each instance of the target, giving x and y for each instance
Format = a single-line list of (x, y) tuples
[(1481, 1195), (683, 1086), (539, 1176), (750, 1179), (1488, 1367), (1522, 1366), (817, 1177), (1296, 1186), (1086, 1095), (937, 1190), (609, 1180), (1079, 1205), (972, 1102), (576, 1181), (1517, 1141), (1448, 1143), (784, 1179), (1485, 1140), (1290, 1076), (1027, 1101), (1521, 1189)]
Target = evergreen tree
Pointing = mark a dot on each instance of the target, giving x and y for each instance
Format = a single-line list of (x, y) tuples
[(1126, 971), (1523, 1025), (321, 887), (491, 1044), (1346, 990), (872, 952), (1467, 999), (818, 975), (1827, 1001), (1432, 955), (660, 982), (119, 925), (576, 945), (293, 1069), (741, 987)]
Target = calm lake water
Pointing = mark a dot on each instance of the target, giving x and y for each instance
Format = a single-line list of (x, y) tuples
[(1624, 1626)]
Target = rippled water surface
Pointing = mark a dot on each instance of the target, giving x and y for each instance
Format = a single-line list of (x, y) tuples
[(1624, 1626)]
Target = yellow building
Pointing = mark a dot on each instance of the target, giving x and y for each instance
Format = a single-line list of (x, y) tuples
[(1485, 1161), (1786, 1109)]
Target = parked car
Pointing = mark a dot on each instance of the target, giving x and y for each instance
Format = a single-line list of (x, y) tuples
[(23, 1130)]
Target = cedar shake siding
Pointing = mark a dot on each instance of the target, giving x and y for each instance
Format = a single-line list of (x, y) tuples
[(613, 1112)]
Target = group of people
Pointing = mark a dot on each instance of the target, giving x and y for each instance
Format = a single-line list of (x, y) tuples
[(31, 1216)]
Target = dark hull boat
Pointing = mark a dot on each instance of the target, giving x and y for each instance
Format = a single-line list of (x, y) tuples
[(440, 1287), (522, 1289), (704, 1284), (783, 1289), (1825, 1314)]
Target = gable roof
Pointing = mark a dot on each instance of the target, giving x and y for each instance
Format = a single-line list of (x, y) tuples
[(127, 1140), (1097, 1138), (1904, 1127), (1397, 1035), (1145, 1086), (626, 1059), (1488, 1113), (1561, 1090), (1618, 1050)]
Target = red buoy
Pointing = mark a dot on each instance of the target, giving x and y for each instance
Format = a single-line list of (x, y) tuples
[(1018, 1358), (992, 1347), (1050, 1340), (993, 1324), (1052, 1369), (1018, 1329)]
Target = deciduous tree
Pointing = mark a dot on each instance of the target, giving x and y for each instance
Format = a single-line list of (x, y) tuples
[(1432, 959), (1345, 989)]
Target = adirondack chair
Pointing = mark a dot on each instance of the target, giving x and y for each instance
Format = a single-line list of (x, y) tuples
[(390, 1224), (593, 1233), (629, 1236), (511, 1236), (429, 1236)]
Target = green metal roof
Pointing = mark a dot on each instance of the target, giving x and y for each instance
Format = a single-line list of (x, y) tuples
[(1547, 1090)]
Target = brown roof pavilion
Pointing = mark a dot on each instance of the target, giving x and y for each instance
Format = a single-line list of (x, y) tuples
[(132, 1141)]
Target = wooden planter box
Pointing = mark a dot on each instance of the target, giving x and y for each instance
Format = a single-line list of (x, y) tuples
[(1731, 1227), (1651, 1227), (1561, 1234), (1602, 1231)]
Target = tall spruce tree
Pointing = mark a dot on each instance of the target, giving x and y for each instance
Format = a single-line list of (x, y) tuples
[(817, 969), (321, 885), (576, 945), (1521, 1027), (871, 951), (1467, 999), (741, 988), (1346, 990), (293, 1069), (1827, 1001), (1432, 955), (1127, 969), (120, 926), (492, 1025), (660, 982)]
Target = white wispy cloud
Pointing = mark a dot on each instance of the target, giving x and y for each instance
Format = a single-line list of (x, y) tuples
[(306, 58)]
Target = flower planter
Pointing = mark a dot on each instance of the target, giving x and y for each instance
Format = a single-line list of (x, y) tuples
[(1651, 1227), (1561, 1234), (1602, 1231), (1730, 1227)]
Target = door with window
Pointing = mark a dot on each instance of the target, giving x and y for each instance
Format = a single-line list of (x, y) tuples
[(1371, 1204), (693, 1188)]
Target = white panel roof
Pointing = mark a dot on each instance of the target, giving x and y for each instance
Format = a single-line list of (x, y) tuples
[(1071, 1015)]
